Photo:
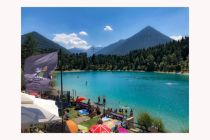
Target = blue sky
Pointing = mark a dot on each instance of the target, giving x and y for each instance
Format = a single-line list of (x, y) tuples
[(84, 27)]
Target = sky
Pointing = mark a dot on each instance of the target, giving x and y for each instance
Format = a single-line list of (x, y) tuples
[(85, 27)]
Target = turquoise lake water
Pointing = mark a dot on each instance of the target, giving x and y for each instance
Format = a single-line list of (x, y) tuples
[(165, 96)]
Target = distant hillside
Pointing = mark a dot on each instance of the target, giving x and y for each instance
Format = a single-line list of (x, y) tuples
[(77, 50), (42, 43), (147, 37), (93, 49), (111, 48), (88, 51)]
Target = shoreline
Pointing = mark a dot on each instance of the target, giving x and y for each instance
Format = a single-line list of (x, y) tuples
[(180, 73), (76, 70)]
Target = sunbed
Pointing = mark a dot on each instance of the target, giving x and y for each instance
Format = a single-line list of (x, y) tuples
[(83, 112)]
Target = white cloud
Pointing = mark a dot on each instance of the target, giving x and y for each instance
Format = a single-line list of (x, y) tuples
[(83, 33), (70, 41), (108, 28), (177, 38)]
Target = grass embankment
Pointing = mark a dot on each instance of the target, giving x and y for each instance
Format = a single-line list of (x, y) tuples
[(73, 113), (90, 122)]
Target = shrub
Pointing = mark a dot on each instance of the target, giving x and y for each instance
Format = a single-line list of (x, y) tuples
[(145, 120), (159, 124)]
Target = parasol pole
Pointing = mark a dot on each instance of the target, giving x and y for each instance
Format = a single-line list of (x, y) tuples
[(61, 71)]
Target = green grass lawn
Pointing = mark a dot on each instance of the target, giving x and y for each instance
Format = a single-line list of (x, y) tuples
[(73, 113), (90, 122)]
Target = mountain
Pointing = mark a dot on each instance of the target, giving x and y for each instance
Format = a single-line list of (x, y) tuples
[(147, 37), (92, 50), (43, 42), (111, 48), (77, 50), (88, 51)]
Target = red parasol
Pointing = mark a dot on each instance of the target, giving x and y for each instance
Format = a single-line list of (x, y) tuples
[(81, 99), (100, 128)]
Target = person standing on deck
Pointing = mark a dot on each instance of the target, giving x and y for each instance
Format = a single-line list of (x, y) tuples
[(88, 103), (131, 113), (126, 113), (104, 101), (99, 99)]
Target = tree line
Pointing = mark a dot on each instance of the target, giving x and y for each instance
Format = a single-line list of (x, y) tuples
[(170, 57)]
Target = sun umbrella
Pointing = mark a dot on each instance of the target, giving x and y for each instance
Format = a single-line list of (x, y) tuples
[(83, 128), (32, 114), (81, 99), (122, 130), (72, 126), (36, 110), (100, 128)]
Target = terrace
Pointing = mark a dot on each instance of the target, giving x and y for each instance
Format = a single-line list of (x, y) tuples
[(80, 116)]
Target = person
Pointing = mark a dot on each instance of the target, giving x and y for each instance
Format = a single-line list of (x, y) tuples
[(115, 129), (126, 112), (77, 98), (104, 112), (100, 121), (92, 112), (68, 96), (131, 113), (80, 131), (124, 124), (104, 100), (108, 111), (99, 99), (67, 114), (98, 112), (89, 108), (119, 110), (88, 103), (86, 83)]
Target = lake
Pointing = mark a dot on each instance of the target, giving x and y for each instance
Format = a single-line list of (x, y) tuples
[(165, 96)]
